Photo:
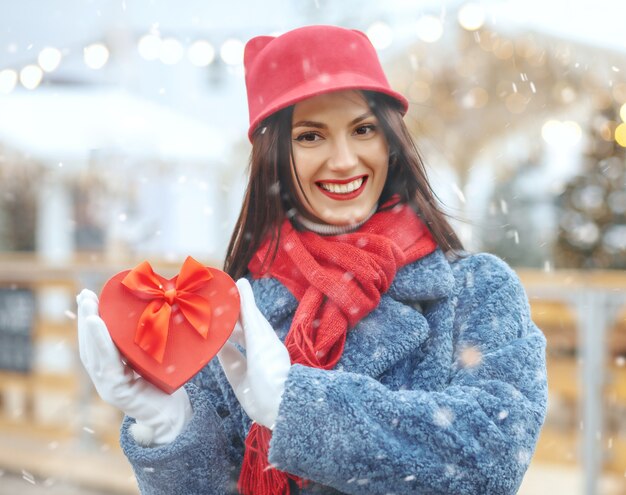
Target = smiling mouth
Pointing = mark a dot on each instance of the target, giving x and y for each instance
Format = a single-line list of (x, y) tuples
[(343, 190), (346, 188)]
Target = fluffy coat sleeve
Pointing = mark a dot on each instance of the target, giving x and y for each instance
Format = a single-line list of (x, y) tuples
[(206, 457), (475, 434)]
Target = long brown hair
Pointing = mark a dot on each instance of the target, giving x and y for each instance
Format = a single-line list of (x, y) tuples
[(271, 196)]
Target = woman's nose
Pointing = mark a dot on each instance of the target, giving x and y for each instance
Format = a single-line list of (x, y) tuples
[(343, 156)]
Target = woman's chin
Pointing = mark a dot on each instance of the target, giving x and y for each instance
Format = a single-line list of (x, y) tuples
[(343, 220)]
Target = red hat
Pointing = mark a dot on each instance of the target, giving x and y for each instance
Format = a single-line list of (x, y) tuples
[(309, 61)]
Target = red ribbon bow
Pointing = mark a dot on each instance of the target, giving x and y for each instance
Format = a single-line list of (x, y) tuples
[(153, 325)]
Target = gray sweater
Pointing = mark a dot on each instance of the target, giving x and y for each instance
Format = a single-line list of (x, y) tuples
[(441, 390)]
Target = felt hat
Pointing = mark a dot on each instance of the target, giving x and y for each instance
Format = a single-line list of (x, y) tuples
[(309, 61)]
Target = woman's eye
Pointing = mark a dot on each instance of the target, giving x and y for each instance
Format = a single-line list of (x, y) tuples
[(308, 137), (365, 129)]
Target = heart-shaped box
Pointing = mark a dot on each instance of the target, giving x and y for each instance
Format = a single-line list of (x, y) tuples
[(129, 313)]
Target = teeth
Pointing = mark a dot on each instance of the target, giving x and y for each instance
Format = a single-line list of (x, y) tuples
[(342, 188)]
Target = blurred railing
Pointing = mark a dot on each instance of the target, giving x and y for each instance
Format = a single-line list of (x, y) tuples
[(583, 315)]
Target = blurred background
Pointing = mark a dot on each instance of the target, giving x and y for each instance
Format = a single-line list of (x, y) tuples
[(123, 138)]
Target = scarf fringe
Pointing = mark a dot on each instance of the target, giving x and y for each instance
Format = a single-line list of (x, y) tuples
[(258, 476)]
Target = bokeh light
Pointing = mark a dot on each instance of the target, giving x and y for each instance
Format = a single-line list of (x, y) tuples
[(471, 16), (232, 51), (606, 130), (49, 58), (31, 76), (201, 53), (503, 49), (620, 135), (380, 34), (516, 103), (96, 55), (572, 130), (557, 132), (429, 28), (149, 47), (171, 51)]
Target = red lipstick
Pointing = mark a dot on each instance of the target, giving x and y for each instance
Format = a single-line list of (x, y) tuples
[(343, 196)]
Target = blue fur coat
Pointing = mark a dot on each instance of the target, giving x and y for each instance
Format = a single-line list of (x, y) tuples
[(440, 390)]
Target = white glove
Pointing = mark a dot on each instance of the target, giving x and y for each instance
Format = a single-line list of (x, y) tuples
[(258, 379), (160, 417)]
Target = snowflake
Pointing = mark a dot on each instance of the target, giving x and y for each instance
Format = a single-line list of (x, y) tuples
[(347, 276), (523, 456), (443, 417)]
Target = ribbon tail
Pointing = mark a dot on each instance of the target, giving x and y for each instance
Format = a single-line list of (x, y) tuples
[(197, 311), (153, 328)]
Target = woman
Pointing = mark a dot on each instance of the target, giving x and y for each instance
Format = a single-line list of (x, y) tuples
[(379, 358)]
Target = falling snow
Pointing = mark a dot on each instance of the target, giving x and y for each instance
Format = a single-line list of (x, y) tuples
[(443, 417), (470, 357), (451, 470), (524, 456)]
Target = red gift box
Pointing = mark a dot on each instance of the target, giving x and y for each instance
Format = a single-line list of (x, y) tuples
[(168, 330)]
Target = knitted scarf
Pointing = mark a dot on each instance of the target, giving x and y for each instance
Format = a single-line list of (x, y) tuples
[(338, 280)]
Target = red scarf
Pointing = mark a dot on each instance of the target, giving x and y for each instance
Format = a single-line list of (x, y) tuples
[(338, 280)]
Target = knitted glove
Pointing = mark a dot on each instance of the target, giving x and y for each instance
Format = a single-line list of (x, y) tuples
[(258, 379), (160, 417)]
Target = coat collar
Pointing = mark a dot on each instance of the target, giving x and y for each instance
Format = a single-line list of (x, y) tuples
[(427, 279), (394, 329)]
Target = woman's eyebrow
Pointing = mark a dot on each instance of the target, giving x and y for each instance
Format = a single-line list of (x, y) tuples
[(320, 125), (309, 123), (360, 118)]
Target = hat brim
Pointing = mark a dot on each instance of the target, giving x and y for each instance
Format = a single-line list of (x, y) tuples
[(318, 86)]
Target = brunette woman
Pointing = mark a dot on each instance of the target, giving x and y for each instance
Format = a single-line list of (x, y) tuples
[(373, 355)]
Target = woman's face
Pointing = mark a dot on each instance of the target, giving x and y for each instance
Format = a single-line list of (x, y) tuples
[(340, 157)]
